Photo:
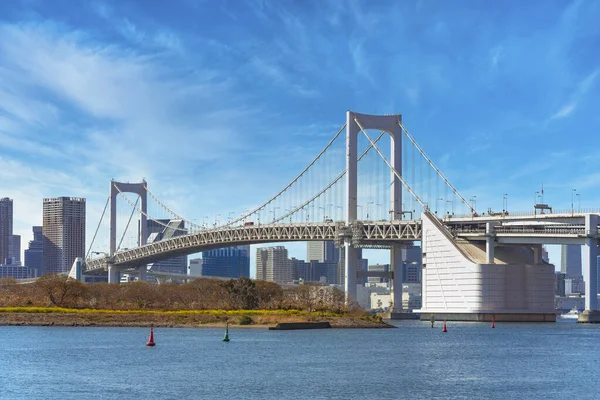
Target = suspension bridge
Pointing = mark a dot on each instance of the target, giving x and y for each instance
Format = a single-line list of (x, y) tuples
[(353, 194)]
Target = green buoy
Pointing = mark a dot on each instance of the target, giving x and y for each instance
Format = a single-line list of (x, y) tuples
[(226, 337)]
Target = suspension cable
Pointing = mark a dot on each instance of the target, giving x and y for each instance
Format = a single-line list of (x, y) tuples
[(97, 229), (391, 167), (164, 206), (434, 167), (146, 214), (291, 183), (127, 227), (340, 176)]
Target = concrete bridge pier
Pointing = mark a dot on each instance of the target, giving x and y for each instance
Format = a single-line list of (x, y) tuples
[(396, 268), (590, 258), (113, 274), (350, 270)]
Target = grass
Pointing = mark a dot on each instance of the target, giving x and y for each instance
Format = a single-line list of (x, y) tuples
[(229, 313)]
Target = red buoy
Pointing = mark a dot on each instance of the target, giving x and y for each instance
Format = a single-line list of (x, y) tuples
[(150, 341), (493, 320), (444, 328)]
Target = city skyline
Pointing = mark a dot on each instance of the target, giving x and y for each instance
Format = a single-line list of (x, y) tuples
[(103, 90)]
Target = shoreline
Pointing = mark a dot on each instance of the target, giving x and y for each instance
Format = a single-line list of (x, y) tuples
[(252, 319)]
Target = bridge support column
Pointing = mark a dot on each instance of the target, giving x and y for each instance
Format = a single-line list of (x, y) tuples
[(396, 267), (350, 270), (590, 251), (490, 242), (113, 274), (143, 272)]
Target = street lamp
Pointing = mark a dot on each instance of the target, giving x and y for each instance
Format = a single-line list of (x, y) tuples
[(578, 202), (572, 192), (322, 208), (451, 205), (473, 201), (505, 202)]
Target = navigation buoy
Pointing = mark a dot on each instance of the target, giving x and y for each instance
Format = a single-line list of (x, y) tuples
[(226, 337), (493, 320), (150, 341), (444, 328)]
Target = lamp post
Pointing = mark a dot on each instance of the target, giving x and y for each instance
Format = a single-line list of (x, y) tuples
[(473, 201), (572, 193), (505, 203), (451, 205), (322, 208), (578, 202), (437, 200)]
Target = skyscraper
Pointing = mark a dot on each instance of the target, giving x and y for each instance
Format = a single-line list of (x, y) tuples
[(6, 229), (324, 252), (14, 251), (34, 254), (63, 233), (570, 264), (230, 262), (272, 264)]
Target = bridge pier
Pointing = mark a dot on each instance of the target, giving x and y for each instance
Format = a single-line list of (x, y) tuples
[(490, 242), (350, 270), (396, 268), (590, 251), (113, 274)]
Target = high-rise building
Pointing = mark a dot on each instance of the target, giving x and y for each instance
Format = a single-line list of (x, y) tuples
[(163, 229), (63, 233), (6, 229), (570, 264), (560, 284), (230, 262), (411, 264), (272, 264), (195, 267), (324, 252), (14, 251), (34, 254)]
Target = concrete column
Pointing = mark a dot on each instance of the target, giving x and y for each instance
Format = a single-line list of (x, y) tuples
[(590, 251), (143, 272), (396, 161), (113, 274), (350, 270), (490, 242), (113, 219), (396, 267)]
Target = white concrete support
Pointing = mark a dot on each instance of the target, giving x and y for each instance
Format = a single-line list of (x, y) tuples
[(590, 251), (389, 124), (140, 190), (113, 275), (396, 267), (350, 270), (490, 242)]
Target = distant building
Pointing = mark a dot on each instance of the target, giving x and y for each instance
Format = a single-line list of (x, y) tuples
[(272, 264), (34, 253), (195, 267), (560, 284), (229, 262), (411, 265), (163, 229), (574, 286), (6, 229), (570, 264), (14, 271), (322, 252), (63, 233), (15, 250), (378, 268)]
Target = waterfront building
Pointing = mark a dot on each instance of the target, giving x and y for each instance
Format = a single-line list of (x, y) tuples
[(6, 228), (63, 233), (163, 229), (272, 264), (229, 262)]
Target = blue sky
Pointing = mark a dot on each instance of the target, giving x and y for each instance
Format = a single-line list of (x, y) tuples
[(218, 104)]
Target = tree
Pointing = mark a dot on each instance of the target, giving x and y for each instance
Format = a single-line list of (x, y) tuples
[(242, 293), (61, 290)]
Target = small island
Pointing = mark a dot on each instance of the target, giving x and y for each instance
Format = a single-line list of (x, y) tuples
[(55, 300)]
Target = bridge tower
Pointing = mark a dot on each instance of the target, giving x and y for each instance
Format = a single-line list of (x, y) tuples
[(391, 125), (140, 190)]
